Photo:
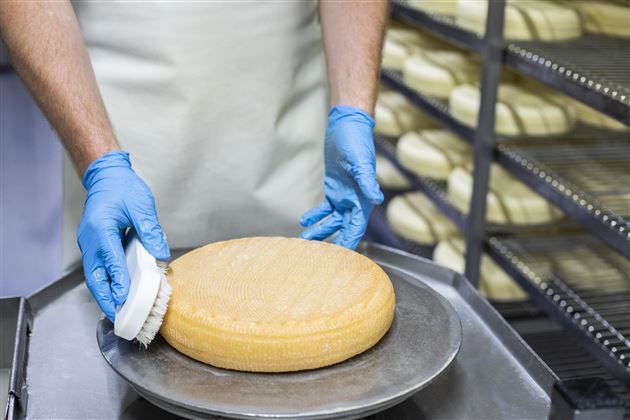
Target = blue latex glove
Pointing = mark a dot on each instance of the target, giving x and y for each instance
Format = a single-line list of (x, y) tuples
[(117, 199), (350, 182)]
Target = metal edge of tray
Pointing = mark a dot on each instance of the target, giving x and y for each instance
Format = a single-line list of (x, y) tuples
[(17, 398), (520, 350), (348, 413), (387, 256)]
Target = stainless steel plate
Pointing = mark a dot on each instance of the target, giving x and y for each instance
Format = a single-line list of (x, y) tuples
[(421, 344)]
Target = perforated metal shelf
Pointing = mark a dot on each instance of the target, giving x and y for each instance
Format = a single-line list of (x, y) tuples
[(577, 280), (592, 69), (565, 355), (586, 174)]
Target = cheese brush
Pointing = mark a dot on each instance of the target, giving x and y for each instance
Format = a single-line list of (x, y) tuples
[(140, 317)]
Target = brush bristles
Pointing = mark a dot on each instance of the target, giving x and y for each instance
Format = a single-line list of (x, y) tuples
[(154, 320)]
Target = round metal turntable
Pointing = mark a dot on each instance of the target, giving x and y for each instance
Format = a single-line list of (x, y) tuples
[(420, 345)]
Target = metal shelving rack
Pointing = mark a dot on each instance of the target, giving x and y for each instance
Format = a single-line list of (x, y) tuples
[(598, 312), (568, 360), (583, 178), (590, 72)]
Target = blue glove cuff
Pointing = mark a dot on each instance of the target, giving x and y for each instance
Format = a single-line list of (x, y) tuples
[(115, 159), (346, 112)]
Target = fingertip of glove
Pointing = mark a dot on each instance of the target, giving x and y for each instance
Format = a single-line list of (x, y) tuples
[(376, 196), (162, 253), (111, 316)]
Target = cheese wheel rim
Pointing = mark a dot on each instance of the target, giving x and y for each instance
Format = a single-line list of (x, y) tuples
[(231, 306)]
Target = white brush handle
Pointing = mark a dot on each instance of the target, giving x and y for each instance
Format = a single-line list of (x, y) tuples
[(145, 284)]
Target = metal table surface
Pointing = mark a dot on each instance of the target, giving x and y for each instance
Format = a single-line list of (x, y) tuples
[(495, 375)]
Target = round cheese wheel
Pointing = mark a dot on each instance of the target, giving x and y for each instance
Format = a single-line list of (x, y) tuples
[(389, 177), (271, 304), (524, 20), (494, 283), (414, 217), (519, 111), (436, 73), (509, 201), (395, 115), (432, 153)]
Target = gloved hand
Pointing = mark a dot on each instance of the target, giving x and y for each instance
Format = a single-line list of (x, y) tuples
[(350, 182), (116, 200)]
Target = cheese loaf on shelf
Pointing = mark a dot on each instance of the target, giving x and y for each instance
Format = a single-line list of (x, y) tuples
[(271, 304), (436, 73), (589, 116), (414, 217), (494, 283), (401, 41), (524, 20), (509, 201), (395, 115), (519, 111), (432, 153), (603, 17), (389, 177), (442, 7)]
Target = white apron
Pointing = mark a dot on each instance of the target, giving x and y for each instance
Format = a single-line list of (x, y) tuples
[(222, 107)]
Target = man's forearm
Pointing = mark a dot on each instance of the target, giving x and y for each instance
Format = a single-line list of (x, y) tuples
[(353, 36), (47, 51)]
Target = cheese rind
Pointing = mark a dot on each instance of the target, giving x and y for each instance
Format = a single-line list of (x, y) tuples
[(276, 304)]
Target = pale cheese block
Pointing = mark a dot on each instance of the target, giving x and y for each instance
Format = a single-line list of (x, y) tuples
[(494, 283), (519, 111), (524, 20), (271, 304), (389, 177), (584, 269), (414, 217), (400, 42), (436, 73), (443, 7), (509, 201), (432, 153), (602, 17), (589, 116), (395, 115)]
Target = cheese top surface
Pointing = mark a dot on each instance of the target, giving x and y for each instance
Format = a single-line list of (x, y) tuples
[(276, 304)]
